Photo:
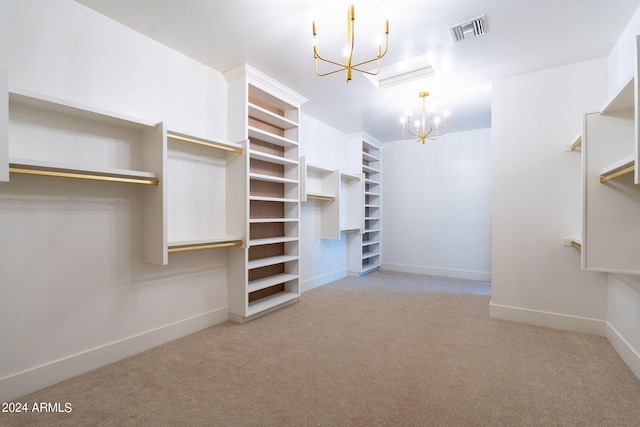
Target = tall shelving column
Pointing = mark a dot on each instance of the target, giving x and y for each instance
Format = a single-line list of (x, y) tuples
[(364, 248), (264, 272)]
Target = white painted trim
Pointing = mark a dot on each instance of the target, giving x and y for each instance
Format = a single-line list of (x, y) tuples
[(39, 377), (442, 272), (322, 280), (630, 356), (548, 320)]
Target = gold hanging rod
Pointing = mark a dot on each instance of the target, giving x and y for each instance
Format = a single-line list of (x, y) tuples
[(316, 197), (576, 245), (576, 144), (148, 181), (351, 230), (205, 246), (605, 178), (351, 177), (207, 144)]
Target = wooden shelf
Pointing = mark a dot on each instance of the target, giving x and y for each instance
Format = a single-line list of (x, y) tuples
[(348, 177)]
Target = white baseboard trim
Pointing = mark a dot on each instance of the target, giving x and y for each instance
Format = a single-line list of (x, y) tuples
[(39, 377), (441, 272), (318, 281), (630, 356), (547, 319)]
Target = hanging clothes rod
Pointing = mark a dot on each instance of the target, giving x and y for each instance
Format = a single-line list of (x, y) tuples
[(318, 197), (351, 177), (204, 246), (205, 143), (351, 230), (41, 172)]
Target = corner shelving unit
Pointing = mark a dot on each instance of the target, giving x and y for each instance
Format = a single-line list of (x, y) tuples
[(363, 249), (322, 186), (264, 272), (611, 196)]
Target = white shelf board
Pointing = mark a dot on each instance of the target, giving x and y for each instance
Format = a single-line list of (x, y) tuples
[(623, 99), (271, 138), (267, 116), (258, 155), (256, 285), (370, 255), (619, 165), (263, 262), (74, 109), (267, 220), (370, 242), (369, 169), (272, 240), (272, 199), (271, 301), (271, 178), (370, 157)]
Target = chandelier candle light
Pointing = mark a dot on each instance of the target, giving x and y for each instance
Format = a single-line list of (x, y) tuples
[(348, 65), (422, 133)]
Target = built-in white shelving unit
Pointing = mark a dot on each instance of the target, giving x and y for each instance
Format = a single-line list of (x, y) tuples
[(264, 272), (611, 196), (182, 177), (363, 248)]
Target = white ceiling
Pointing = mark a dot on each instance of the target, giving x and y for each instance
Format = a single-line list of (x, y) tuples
[(274, 36)]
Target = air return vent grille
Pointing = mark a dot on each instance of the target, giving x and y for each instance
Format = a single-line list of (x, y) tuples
[(468, 29)]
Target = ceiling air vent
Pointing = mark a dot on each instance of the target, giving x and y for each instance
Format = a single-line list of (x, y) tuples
[(468, 29)]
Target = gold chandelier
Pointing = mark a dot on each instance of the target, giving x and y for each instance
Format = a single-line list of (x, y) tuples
[(422, 133), (348, 65)]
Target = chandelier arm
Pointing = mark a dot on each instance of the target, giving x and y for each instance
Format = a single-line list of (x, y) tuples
[(376, 58), (317, 56), (330, 72)]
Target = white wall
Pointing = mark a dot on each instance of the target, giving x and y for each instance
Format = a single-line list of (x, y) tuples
[(436, 206), (322, 260), (536, 199), (75, 294)]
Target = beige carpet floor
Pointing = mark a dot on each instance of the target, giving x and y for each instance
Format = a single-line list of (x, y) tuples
[(387, 349)]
